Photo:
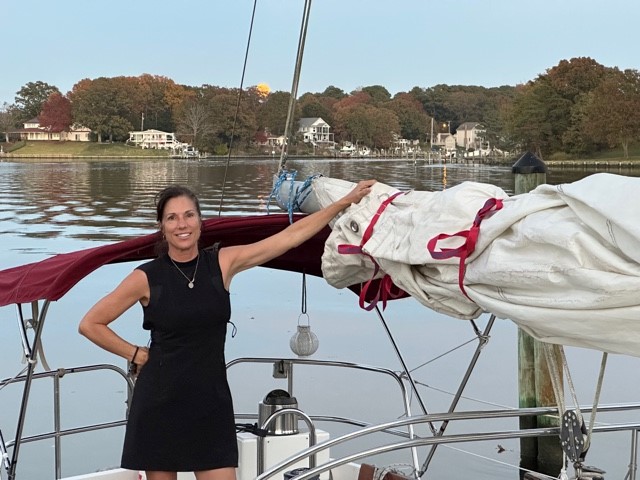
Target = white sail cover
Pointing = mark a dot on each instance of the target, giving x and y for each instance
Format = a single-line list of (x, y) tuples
[(562, 262)]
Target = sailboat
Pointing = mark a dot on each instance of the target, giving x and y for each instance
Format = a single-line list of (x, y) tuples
[(360, 251)]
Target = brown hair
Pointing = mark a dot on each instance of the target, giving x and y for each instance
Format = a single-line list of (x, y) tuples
[(174, 191)]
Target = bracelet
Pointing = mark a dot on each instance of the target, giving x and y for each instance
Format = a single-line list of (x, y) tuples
[(134, 354)]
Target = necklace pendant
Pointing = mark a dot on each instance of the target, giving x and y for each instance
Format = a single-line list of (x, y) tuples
[(190, 284)]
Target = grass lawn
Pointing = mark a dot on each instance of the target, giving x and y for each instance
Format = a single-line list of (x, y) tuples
[(85, 149), (613, 155)]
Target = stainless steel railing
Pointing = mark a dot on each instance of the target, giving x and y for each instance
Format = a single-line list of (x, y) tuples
[(58, 432), (401, 432)]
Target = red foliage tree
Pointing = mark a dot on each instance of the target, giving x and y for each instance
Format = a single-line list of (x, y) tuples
[(56, 113)]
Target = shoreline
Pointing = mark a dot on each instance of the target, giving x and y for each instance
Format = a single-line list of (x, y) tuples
[(549, 163)]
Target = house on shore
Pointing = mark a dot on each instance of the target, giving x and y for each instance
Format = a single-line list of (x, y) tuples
[(446, 142), (470, 136), (33, 131), (156, 139), (316, 131)]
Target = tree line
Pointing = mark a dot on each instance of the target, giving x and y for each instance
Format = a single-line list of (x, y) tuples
[(578, 107)]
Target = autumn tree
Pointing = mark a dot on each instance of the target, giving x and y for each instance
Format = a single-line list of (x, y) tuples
[(575, 77), (104, 105), (30, 98), (414, 122), (56, 113), (159, 100), (356, 98), (367, 125), (573, 80), (318, 105), (612, 113)]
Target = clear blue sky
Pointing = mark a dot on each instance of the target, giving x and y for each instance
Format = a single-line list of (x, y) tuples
[(350, 43)]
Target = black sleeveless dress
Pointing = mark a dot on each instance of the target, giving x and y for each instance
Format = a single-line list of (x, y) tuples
[(181, 416)]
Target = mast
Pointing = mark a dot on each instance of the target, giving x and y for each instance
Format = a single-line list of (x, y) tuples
[(294, 85)]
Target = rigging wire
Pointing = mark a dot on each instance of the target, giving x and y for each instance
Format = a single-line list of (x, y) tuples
[(499, 462), (235, 117)]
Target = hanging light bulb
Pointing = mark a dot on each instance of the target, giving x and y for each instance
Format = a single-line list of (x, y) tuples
[(304, 342)]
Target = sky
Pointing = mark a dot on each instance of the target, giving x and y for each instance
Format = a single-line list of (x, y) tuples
[(398, 44)]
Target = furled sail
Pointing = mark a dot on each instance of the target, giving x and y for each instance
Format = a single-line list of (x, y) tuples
[(562, 262)]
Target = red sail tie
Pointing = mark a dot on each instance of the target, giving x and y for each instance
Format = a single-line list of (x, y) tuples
[(386, 286), (463, 251)]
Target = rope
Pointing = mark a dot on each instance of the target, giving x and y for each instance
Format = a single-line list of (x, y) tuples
[(296, 198), (251, 428), (277, 187), (235, 117), (304, 191)]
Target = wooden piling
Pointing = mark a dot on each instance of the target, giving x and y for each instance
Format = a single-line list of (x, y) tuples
[(535, 389)]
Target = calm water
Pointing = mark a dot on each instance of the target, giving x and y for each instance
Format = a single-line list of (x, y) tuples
[(53, 207)]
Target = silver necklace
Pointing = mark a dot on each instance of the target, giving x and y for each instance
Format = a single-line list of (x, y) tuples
[(193, 280)]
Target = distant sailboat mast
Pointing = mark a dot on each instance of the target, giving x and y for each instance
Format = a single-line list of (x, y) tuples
[(431, 136)]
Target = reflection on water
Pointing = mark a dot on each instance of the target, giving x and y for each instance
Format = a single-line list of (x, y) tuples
[(111, 200), (48, 208)]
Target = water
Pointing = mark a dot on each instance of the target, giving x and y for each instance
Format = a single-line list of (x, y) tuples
[(55, 207)]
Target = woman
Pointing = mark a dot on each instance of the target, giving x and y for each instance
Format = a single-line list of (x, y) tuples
[(181, 416)]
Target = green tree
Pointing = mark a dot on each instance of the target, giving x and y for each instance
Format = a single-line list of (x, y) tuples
[(414, 122), (222, 105), (7, 119), (576, 139), (539, 117), (378, 94), (367, 125), (334, 92), (104, 106), (316, 105), (30, 98), (272, 113)]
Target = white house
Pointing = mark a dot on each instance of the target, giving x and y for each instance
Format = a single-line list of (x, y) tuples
[(446, 141), (470, 135), (155, 139), (315, 130), (33, 131)]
